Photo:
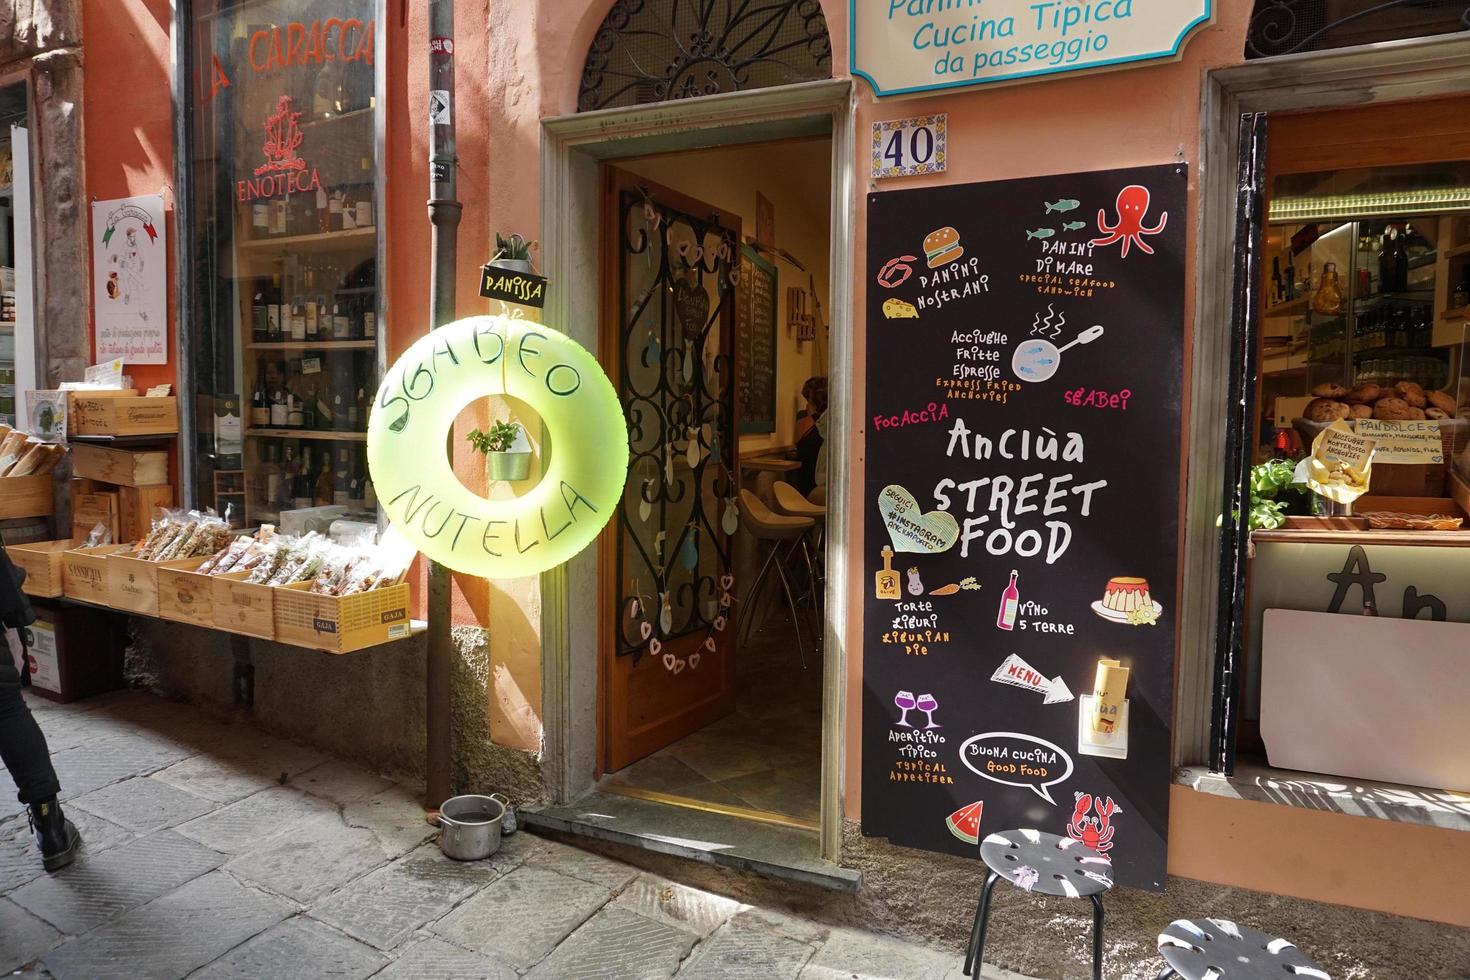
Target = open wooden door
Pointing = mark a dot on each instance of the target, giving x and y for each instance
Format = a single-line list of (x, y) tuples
[(670, 270)]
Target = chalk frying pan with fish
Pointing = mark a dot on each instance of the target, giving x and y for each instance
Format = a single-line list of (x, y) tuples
[(1038, 360)]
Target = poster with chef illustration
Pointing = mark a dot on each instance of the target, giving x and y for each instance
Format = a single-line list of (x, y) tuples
[(130, 279), (1021, 514)]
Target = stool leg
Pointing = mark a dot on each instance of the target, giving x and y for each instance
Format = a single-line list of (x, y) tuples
[(795, 614), (1097, 927), (747, 614), (977, 930), (1168, 972)]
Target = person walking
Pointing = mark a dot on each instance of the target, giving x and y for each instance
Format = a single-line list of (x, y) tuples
[(22, 745)]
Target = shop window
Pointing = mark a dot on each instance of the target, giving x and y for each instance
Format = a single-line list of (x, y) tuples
[(1280, 27), (661, 50), (1360, 324), (283, 284)]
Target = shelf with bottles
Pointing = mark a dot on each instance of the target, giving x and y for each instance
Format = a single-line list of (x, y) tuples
[(289, 433), (298, 474), (317, 241), (311, 301)]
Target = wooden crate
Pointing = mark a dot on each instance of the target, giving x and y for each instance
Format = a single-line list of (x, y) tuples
[(341, 624), (27, 496), (133, 583), (184, 595), (136, 506), (42, 564), (90, 509), (240, 607), (72, 396), (128, 467), (84, 573), (125, 416)]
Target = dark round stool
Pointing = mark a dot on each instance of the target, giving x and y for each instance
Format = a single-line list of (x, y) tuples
[(1214, 949), (1049, 865)]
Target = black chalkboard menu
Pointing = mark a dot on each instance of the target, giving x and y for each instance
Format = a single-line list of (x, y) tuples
[(757, 343), (1024, 378)]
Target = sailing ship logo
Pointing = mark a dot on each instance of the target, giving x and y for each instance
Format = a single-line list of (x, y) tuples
[(282, 136)]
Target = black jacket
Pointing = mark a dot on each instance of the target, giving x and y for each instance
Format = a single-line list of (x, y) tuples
[(15, 608)]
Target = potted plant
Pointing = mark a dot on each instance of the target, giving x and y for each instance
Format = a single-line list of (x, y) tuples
[(495, 444), (513, 253)]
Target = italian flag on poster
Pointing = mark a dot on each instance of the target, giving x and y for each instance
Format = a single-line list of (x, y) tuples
[(130, 279)]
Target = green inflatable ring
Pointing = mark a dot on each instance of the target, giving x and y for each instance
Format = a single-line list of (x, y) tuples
[(426, 389)]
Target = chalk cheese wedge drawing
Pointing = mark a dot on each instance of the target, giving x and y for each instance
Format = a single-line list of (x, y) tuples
[(1037, 360), (911, 529)]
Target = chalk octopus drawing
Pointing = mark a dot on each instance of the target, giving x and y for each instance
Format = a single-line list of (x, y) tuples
[(1133, 203)]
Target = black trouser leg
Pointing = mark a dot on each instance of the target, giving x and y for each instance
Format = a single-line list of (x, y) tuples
[(22, 746), (1097, 926), (977, 929)]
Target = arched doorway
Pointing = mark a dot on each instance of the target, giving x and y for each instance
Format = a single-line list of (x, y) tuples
[(662, 50)]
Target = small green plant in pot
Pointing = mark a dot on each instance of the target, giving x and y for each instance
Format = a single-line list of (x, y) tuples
[(512, 253), (495, 444)]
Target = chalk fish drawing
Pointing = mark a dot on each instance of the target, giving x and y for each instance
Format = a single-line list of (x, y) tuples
[(1064, 205), (1040, 233), (1074, 226)]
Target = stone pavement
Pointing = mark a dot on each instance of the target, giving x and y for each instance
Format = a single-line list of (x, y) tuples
[(214, 850)]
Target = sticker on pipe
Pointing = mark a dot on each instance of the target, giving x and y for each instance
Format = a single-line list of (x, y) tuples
[(423, 393)]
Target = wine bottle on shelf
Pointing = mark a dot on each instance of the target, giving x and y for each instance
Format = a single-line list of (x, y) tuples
[(259, 317), (260, 219), (260, 399), (364, 202), (270, 475), (280, 409), (341, 420), (324, 417), (354, 486), (360, 412), (286, 479), (1277, 291), (334, 210), (369, 317), (323, 210), (349, 208), (324, 321), (308, 406), (341, 478), (309, 306), (279, 208), (303, 487), (369, 497)]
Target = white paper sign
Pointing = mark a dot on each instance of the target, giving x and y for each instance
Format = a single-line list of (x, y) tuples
[(903, 46), (909, 147), (130, 279), (1404, 442)]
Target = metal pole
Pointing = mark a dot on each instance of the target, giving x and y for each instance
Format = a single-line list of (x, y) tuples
[(444, 211)]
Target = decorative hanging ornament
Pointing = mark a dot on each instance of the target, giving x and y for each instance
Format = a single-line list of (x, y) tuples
[(692, 454), (652, 349), (689, 554), (694, 661), (688, 364), (719, 624), (730, 521), (669, 464), (645, 508), (645, 630), (666, 616)]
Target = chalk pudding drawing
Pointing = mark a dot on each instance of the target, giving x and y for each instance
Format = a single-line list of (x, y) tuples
[(1132, 205), (1126, 600), (1037, 360), (1017, 759), (913, 530)]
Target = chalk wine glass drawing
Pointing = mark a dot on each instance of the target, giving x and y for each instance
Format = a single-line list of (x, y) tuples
[(928, 705), (906, 701)]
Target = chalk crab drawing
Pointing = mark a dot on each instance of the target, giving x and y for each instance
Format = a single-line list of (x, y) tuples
[(1095, 832), (1132, 205)]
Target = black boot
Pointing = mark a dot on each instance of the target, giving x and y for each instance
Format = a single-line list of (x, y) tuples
[(55, 835)]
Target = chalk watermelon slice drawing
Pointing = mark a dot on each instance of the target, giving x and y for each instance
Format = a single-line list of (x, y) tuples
[(964, 823)]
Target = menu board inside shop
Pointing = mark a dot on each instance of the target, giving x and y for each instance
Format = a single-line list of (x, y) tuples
[(1025, 361), (757, 344)]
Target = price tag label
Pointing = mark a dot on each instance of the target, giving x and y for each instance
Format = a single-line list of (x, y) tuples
[(1405, 442), (910, 147), (311, 365)]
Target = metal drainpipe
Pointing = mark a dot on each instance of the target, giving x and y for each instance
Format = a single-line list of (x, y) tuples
[(444, 212)]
